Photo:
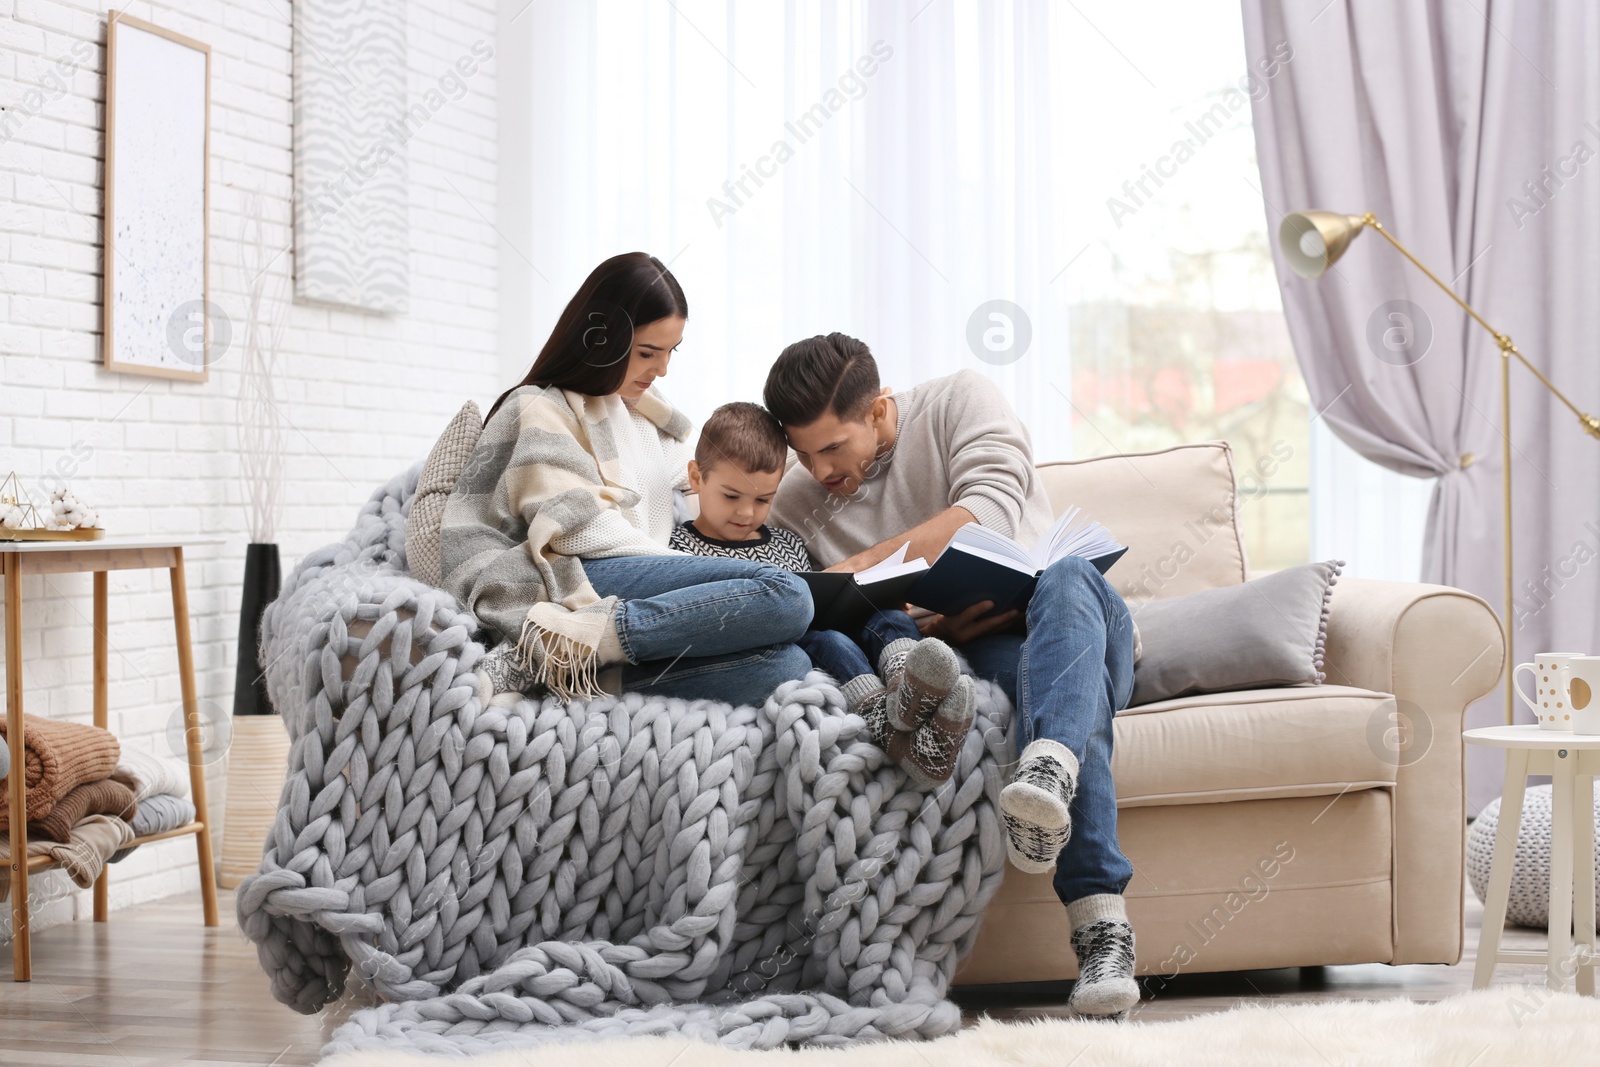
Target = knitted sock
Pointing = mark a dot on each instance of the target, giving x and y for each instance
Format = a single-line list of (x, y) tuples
[(919, 674), (1037, 805), (611, 644), (1102, 940), (865, 696), (861, 689), (501, 679), (937, 742)]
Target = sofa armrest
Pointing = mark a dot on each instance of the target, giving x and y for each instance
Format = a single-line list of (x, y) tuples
[(1437, 649)]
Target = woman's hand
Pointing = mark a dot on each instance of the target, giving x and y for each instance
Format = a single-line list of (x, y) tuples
[(969, 625)]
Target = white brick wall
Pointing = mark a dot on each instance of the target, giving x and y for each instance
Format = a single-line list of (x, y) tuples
[(364, 395)]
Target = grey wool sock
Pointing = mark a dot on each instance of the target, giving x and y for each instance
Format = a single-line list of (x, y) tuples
[(919, 676), (502, 681), (858, 689), (1102, 939), (865, 696), (936, 743), (1037, 805)]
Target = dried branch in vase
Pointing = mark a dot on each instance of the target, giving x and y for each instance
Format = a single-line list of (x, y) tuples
[(260, 419)]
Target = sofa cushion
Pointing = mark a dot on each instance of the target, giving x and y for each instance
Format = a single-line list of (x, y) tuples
[(439, 475), (1252, 744), (1265, 632), (1175, 509)]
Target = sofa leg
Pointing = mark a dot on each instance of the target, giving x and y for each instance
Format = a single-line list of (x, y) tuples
[(1313, 978)]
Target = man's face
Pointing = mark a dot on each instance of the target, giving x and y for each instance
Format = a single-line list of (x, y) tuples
[(840, 452)]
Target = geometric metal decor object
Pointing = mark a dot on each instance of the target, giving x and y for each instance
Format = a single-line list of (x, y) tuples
[(350, 128)]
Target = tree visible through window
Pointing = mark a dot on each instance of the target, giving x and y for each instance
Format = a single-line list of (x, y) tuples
[(1177, 334)]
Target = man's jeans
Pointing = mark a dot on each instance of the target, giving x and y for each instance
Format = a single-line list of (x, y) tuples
[(1068, 677), (698, 626)]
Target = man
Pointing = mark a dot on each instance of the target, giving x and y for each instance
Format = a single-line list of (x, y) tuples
[(878, 470)]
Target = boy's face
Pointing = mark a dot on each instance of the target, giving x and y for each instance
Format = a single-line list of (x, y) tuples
[(733, 502), (839, 453)]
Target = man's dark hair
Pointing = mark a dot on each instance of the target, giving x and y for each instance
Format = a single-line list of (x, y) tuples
[(744, 434), (827, 373)]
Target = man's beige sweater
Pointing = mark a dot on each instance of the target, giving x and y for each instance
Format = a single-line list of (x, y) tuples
[(958, 443)]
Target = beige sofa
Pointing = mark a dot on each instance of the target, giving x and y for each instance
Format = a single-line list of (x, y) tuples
[(1295, 826)]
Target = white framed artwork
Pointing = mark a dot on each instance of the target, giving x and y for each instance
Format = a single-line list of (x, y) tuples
[(158, 319), (351, 126)]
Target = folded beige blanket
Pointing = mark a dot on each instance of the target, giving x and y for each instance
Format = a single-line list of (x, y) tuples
[(150, 775), (83, 855), (59, 757), (105, 797)]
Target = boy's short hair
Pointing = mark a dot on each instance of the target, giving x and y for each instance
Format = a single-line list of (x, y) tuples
[(745, 434), (827, 373)]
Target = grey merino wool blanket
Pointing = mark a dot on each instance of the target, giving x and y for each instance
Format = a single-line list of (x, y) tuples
[(555, 872)]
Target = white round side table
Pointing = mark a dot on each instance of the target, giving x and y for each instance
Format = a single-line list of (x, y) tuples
[(1572, 761)]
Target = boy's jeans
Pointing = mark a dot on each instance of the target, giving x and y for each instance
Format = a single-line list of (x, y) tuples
[(1066, 679), (700, 626), (846, 658)]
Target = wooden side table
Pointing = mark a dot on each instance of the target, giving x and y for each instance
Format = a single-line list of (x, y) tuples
[(18, 558), (1572, 761)]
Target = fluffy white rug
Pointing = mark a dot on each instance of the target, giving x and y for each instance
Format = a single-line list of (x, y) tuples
[(1509, 1026)]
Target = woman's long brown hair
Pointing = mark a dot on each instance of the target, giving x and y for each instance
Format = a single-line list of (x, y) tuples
[(588, 349)]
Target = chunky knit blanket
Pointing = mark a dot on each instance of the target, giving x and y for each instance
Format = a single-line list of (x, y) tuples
[(559, 872)]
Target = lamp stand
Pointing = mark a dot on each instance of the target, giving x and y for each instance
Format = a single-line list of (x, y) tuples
[(1590, 423)]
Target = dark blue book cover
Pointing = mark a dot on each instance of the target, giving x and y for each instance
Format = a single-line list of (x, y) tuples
[(957, 580), (840, 603)]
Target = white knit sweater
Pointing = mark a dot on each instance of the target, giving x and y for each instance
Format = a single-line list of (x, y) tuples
[(653, 465)]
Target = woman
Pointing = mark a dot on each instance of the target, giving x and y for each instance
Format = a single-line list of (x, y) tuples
[(556, 534)]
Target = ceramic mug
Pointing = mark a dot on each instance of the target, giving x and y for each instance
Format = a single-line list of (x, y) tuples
[(1581, 676), (1549, 704)]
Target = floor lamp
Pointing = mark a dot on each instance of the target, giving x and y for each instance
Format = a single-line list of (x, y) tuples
[(1312, 241)]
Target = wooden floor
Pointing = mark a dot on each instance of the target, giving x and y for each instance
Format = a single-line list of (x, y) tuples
[(154, 986)]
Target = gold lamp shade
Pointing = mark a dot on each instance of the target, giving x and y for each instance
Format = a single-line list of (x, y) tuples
[(1312, 241)]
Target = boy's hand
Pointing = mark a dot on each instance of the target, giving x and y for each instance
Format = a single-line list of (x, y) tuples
[(970, 624)]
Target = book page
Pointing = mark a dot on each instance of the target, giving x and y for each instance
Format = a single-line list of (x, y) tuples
[(893, 567), (1073, 535), (994, 545)]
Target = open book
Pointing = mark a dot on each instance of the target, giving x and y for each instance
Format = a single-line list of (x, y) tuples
[(845, 601), (980, 564)]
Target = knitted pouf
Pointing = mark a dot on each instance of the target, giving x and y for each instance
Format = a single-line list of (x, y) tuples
[(1529, 903), (629, 865)]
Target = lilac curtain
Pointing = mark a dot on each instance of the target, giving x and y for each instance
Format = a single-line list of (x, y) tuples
[(1470, 130)]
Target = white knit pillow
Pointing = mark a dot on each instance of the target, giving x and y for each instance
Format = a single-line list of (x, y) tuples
[(439, 474)]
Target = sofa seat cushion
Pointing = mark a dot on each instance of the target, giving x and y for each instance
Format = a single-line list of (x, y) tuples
[(1253, 744)]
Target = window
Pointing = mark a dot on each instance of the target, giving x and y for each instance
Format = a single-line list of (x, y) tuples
[(1177, 334), (892, 170)]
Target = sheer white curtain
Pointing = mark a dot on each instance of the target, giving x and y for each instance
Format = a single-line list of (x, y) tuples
[(1371, 517), (880, 169)]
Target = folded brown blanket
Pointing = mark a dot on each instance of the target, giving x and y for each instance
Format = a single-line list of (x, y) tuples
[(104, 797), (59, 757)]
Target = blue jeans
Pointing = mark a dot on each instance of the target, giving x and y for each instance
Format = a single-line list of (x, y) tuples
[(698, 626), (1072, 672), (845, 657)]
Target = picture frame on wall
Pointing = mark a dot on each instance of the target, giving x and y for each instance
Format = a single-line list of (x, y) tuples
[(157, 315)]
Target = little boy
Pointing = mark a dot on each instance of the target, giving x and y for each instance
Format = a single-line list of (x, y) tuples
[(918, 705)]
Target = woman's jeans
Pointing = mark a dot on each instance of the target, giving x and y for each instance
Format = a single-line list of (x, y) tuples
[(847, 657), (698, 626), (1067, 678)]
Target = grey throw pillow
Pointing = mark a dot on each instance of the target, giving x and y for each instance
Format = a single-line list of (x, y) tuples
[(1265, 632), (439, 475)]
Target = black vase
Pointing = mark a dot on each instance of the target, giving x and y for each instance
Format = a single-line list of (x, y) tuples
[(262, 579)]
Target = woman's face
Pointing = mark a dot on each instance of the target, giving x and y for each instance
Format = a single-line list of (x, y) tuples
[(652, 351)]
